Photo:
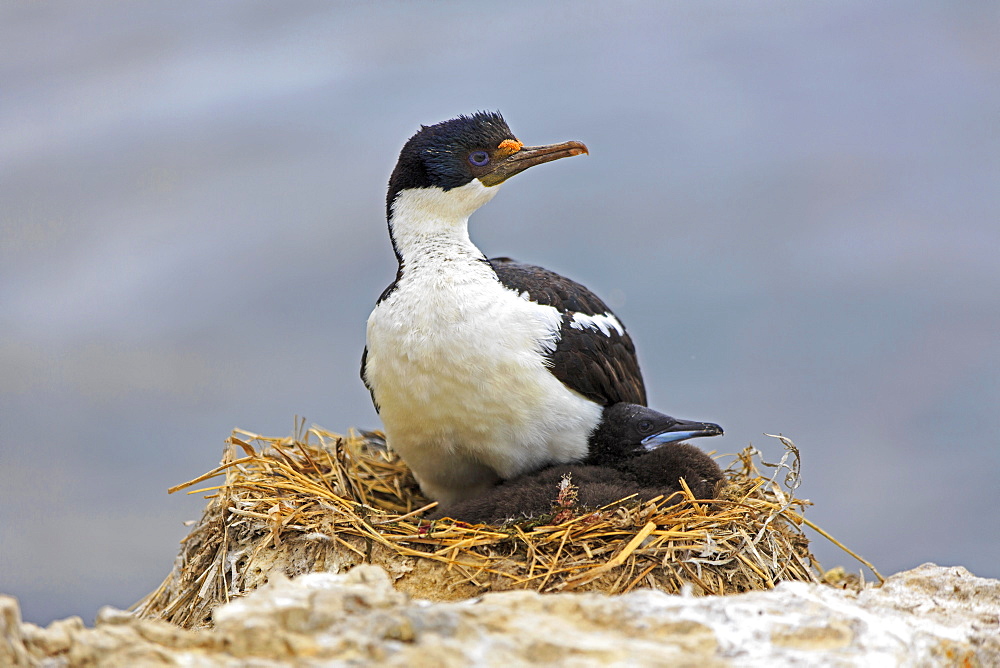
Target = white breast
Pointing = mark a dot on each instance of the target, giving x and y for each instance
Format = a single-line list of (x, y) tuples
[(457, 364)]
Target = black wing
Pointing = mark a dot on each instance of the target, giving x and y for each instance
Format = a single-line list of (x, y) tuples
[(602, 367), (364, 378), (364, 355)]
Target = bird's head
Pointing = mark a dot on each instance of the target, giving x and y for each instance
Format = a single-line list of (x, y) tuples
[(467, 156), (628, 430)]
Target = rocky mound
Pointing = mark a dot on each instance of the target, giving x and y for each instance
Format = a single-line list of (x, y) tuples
[(928, 616)]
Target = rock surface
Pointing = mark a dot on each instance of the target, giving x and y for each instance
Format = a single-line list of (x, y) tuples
[(927, 616)]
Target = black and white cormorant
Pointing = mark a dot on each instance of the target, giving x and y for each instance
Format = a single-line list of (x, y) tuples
[(635, 453), (482, 370)]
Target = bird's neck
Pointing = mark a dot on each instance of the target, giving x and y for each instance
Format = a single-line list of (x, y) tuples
[(431, 225)]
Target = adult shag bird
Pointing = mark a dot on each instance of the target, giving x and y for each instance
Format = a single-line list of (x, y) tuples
[(482, 370)]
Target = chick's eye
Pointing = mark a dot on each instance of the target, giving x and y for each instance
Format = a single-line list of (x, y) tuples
[(479, 158), (645, 426)]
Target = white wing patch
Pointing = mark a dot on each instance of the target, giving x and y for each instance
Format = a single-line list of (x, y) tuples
[(604, 323)]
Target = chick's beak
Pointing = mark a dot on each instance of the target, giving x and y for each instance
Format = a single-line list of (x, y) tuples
[(681, 430)]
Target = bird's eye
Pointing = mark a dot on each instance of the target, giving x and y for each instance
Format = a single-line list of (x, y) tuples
[(479, 158), (645, 425)]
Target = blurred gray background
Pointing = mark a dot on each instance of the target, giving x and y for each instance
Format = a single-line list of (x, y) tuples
[(793, 206)]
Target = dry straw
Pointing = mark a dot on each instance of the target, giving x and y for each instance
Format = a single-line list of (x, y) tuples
[(318, 501)]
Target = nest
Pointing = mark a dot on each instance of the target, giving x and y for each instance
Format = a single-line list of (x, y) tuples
[(318, 501)]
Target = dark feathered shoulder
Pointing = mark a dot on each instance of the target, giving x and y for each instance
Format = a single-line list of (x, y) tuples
[(547, 287), (600, 365)]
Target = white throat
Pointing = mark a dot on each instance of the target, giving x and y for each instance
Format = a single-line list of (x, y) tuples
[(429, 222)]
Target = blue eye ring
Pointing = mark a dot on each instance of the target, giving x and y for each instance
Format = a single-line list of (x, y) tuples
[(479, 158)]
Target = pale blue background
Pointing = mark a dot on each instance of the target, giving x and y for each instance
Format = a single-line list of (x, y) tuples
[(793, 206)]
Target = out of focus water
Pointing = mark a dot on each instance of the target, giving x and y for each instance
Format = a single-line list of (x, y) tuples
[(794, 207)]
